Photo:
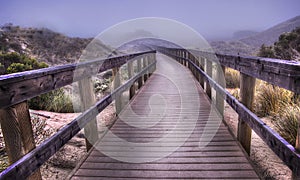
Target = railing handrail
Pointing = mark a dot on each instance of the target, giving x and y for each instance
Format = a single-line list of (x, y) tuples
[(284, 150), (14, 88), (34, 159), (283, 73)]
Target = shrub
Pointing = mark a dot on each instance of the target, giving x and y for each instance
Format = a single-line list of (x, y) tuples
[(271, 99), (286, 123), (56, 101), (232, 78)]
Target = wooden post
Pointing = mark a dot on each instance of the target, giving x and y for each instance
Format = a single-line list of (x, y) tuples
[(145, 64), (221, 81), (208, 70), (88, 99), (130, 74), (116, 84), (247, 91), (18, 134), (139, 68), (201, 65)]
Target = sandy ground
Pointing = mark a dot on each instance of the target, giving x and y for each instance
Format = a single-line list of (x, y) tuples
[(267, 164), (66, 159)]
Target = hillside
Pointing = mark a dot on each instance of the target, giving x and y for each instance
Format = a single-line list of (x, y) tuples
[(44, 45), (269, 36), (250, 45)]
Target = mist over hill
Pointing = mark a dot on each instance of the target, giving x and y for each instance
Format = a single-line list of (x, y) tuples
[(251, 44)]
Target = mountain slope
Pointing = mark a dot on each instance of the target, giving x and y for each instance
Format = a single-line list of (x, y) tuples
[(269, 36), (44, 45), (250, 45)]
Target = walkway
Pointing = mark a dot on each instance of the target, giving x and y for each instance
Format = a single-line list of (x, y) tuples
[(168, 131)]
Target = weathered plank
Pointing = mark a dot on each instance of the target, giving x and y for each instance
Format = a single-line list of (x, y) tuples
[(247, 93)]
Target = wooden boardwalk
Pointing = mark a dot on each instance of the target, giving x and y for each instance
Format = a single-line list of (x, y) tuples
[(168, 131)]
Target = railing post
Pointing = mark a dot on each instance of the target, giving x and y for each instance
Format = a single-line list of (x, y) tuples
[(201, 78), (222, 83), (87, 100), (116, 84), (145, 64), (130, 74), (139, 68), (18, 134), (247, 91), (208, 70)]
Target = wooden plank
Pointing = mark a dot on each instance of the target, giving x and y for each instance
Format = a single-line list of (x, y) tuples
[(116, 84), (167, 174), (88, 99), (130, 74), (247, 92)]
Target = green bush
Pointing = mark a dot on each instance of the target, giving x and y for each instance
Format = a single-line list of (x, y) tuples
[(286, 123), (232, 78), (56, 101)]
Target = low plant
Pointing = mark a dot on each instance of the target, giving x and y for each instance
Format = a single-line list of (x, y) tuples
[(232, 78), (56, 101), (271, 99), (286, 123)]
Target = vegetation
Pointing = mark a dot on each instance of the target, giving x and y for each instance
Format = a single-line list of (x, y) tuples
[(56, 100), (286, 122), (270, 100), (232, 78), (281, 105), (287, 47)]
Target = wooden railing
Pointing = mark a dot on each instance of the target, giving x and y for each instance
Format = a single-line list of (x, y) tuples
[(282, 73), (16, 89)]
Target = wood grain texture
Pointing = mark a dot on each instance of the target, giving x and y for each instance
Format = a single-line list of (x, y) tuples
[(221, 158)]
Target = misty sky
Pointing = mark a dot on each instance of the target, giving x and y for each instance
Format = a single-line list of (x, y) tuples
[(211, 18)]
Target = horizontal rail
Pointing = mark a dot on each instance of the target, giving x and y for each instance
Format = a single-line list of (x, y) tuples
[(283, 73), (285, 151), (17, 87), (33, 160)]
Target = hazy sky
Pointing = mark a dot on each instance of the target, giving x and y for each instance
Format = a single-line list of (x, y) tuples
[(211, 18)]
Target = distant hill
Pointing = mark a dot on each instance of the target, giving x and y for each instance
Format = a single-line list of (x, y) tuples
[(44, 45), (269, 36), (250, 45), (243, 34)]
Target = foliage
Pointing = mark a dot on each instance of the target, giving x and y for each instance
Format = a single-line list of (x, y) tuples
[(56, 101), (266, 51), (271, 99), (14, 62), (286, 123), (232, 78), (287, 47), (101, 85)]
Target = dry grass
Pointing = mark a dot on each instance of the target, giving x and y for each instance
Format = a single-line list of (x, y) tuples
[(232, 78), (270, 100), (286, 123)]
